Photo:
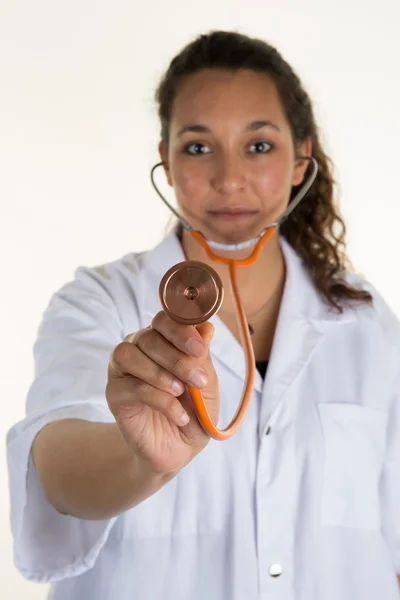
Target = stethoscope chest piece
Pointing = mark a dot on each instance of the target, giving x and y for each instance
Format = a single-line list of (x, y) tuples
[(191, 292)]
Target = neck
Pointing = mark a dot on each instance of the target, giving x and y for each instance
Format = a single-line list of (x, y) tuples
[(257, 282)]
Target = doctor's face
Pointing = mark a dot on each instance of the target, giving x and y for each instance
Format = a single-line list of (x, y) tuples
[(231, 159)]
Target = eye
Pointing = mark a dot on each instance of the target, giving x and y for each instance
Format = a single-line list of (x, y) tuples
[(196, 148), (261, 147)]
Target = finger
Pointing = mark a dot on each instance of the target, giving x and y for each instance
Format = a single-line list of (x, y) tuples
[(132, 336), (131, 392), (128, 359), (184, 337), (161, 351)]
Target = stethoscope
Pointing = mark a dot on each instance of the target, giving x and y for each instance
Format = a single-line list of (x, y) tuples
[(191, 292)]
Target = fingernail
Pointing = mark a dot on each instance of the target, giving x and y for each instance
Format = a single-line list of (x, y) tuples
[(198, 378), (185, 418), (195, 347), (178, 387)]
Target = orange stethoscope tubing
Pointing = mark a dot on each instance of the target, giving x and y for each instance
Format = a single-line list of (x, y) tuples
[(195, 394)]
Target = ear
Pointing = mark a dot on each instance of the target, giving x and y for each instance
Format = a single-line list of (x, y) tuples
[(303, 149), (163, 156)]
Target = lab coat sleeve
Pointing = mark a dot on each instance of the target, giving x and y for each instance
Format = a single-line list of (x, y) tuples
[(79, 329), (390, 479)]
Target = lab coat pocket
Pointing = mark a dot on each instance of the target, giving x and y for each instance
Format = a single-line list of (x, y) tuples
[(354, 446)]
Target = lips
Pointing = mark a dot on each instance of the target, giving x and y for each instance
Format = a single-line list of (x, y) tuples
[(232, 216), (232, 211)]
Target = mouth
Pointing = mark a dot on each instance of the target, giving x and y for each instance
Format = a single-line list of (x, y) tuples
[(234, 214)]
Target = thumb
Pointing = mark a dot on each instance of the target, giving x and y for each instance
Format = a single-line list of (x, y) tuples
[(210, 392), (206, 331)]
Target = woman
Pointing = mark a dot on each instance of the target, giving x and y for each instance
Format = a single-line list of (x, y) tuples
[(117, 492)]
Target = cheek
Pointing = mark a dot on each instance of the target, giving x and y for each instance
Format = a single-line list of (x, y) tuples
[(273, 181), (189, 182)]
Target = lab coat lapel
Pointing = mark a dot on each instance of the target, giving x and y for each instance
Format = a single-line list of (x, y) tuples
[(303, 322)]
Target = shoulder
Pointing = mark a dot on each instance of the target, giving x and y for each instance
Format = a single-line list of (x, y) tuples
[(107, 281), (104, 296), (378, 320), (380, 310), (113, 273)]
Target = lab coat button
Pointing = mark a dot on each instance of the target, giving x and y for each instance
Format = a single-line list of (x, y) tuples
[(268, 430), (275, 570)]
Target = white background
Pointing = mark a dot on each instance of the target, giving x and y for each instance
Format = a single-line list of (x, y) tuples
[(79, 133)]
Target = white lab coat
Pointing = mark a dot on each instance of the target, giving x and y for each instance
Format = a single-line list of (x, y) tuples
[(303, 503)]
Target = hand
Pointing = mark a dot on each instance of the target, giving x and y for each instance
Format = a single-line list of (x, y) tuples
[(146, 391)]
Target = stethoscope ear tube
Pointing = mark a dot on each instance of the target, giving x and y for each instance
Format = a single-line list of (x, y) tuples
[(234, 247)]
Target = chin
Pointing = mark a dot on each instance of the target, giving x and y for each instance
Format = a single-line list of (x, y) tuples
[(232, 235)]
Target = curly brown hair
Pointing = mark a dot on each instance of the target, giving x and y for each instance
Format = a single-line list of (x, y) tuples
[(315, 229)]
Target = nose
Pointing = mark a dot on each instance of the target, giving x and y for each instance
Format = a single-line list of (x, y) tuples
[(229, 176)]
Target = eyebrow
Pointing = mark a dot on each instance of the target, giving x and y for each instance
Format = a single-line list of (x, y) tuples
[(252, 126)]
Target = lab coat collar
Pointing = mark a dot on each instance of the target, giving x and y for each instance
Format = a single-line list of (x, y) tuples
[(302, 322)]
